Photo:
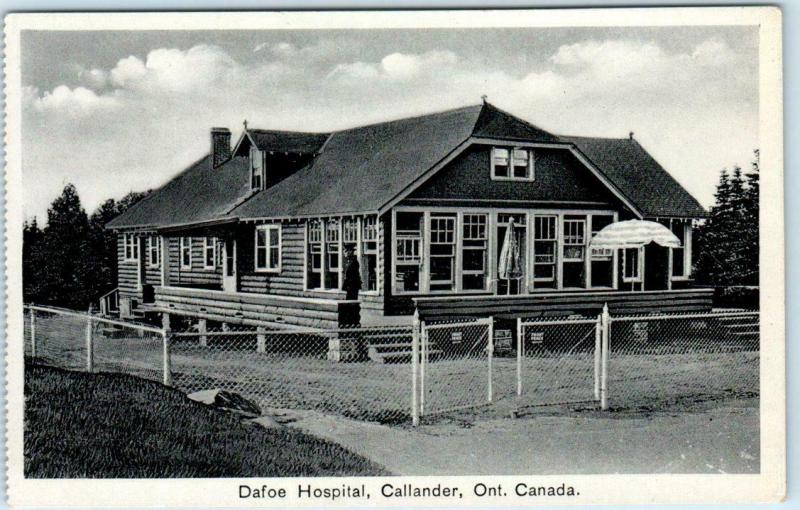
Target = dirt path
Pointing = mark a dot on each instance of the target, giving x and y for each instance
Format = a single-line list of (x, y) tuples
[(719, 438)]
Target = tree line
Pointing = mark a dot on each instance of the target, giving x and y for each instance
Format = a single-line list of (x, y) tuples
[(72, 260)]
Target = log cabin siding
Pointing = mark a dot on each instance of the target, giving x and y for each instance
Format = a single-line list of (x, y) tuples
[(196, 275), (289, 281), (127, 273)]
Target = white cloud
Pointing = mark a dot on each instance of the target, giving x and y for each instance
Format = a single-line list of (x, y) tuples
[(139, 122)]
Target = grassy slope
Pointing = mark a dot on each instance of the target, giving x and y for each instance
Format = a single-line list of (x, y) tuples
[(81, 425)]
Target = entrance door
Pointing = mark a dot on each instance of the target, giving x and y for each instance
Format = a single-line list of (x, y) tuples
[(229, 266)]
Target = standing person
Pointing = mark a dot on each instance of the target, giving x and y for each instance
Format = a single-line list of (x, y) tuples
[(352, 274)]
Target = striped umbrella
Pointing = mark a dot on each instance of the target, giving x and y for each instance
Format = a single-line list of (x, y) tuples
[(633, 234)]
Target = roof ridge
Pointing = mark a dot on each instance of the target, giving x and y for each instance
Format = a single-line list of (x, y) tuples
[(504, 112), (400, 119), (287, 132), (584, 137)]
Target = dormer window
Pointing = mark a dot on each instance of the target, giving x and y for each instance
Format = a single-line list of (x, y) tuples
[(512, 164), (256, 169)]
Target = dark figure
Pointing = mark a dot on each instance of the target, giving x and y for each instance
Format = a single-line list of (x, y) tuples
[(352, 275)]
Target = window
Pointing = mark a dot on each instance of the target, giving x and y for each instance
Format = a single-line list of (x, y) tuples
[(332, 253), (680, 266), (186, 252), (130, 246), (573, 263), (474, 248), (268, 248), (314, 243), (442, 256), (153, 251), (544, 251), (602, 259), (407, 253), (369, 253), (512, 164), (630, 265), (256, 169), (209, 253)]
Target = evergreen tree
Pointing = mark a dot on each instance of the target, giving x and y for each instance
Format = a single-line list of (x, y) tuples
[(31, 260), (750, 227)]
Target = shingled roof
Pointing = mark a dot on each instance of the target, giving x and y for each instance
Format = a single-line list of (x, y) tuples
[(643, 181), (363, 169)]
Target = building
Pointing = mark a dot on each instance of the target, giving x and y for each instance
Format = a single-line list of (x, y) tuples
[(258, 230)]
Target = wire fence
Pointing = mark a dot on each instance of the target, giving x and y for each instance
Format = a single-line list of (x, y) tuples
[(395, 374)]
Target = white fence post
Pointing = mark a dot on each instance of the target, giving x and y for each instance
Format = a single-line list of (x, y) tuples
[(520, 349), (33, 333), (414, 368), (606, 322), (261, 339), (490, 353), (598, 347), (424, 349), (167, 358), (89, 344), (202, 327)]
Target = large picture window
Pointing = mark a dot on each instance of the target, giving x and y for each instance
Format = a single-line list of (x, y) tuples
[(268, 248), (443, 251), (474, 250), (408, 251), (544, 251), (153, 251)]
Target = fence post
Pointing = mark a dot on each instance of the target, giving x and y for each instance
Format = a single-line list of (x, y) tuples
[(490, 353), (424, 348), (166, 337), (414, 368), (89, 343), (598, 347), (202, 327), (33, 333), (606, 329), (261, 339), (520, 348)]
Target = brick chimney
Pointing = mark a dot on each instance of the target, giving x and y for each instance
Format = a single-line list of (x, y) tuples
[(220, 145)]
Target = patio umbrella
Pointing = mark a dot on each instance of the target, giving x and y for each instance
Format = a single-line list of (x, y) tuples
[(510, 265), (633, 234)]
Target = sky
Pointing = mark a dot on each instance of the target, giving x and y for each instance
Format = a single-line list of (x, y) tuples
[(114, 111)]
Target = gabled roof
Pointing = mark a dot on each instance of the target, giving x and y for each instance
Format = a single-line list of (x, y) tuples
[(287, 141), (643, 181), (199, 193), (363, 169)]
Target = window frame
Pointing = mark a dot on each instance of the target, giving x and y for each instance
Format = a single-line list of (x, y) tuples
[(639, 269), (268, 247), (510, 159), (185, 244), (213, 246), (153, 243), (255, 154), (130, 244), (553, 239), (473, 243), (447, 236), (685, 248)]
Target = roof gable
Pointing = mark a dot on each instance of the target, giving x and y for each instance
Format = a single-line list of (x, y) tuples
[(496, 123)]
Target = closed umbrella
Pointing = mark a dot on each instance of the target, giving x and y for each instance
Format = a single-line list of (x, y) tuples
[(510, 264)]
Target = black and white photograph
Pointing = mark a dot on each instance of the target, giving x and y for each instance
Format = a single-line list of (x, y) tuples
[(379, 258)]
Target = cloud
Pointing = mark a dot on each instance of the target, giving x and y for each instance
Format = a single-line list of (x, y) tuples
[(134, 124)]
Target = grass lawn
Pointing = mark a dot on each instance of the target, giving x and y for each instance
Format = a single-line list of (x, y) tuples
[(80, 425)]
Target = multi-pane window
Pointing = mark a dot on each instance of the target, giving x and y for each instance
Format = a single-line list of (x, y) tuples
[(256, 169), (332, 253), (474, 249), (268, 248), (442, 256), (186, 252), (350, 231), (314, 255), (512, 164), (679, 263), (369, 253), (209, 253), (407, 253), (630, 265), (574, 240), (153, 251), (544, 250), (130, 246)]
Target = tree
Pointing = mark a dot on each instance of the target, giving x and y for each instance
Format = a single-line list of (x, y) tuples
[(32, 237)]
